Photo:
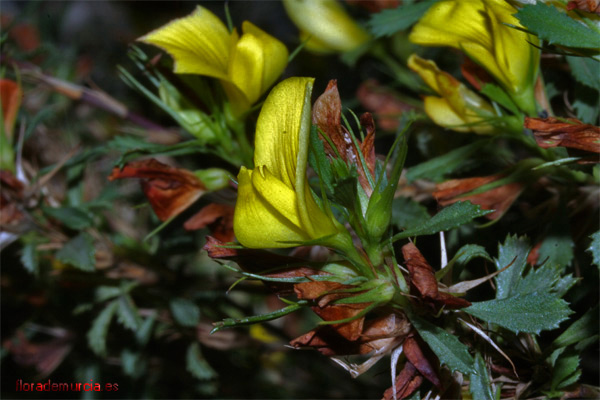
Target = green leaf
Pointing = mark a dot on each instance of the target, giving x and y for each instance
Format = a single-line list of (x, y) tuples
[(514, 250), (197, 365), (30, 258), (450, 217), (530, 313), (79, 252), (462, 257), (541, 280), (565, 370), (390, 21), (128, 314), (556, 27), (498, 95), (134, 365), (580, 330), (407, 213), (594, 248), (319, 161), (144, 334), (438, 168), (230, 322), (480, 386), (586, 103), (447, 347), (71, 217), (557, 247), (185, 312), (585, 71), (97, 334)]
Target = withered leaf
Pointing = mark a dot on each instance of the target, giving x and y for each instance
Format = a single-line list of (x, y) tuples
[(414, 354), (218, 217), (498, 199), (383, 102), (592, 6), (567, 132), (424, 284), (407, 381), (10, 97), (169, 190)]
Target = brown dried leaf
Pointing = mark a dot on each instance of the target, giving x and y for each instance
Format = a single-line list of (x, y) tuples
[(498, 199), (414, 353), (407, 381), (592, 6), (475, 74), (375, 6), (424, 283), (11, 196), (218, 217), (567, 132), (169, 190), (10, 97), (382, 101)]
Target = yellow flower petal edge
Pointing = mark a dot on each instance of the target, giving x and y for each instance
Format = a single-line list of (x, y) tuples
[(275, 205), (458, 108), (478, 28), (200, 43), (326, 21)]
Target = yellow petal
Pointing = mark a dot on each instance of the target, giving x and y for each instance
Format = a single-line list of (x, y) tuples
[(478, 27), (199, 43), (327, 22), (266, 211), (275, 203), (458, 108)]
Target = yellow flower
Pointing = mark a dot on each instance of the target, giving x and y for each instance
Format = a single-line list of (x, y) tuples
[(275, 205), (458, 108), (201, 44), (327, 24), (478, 28)]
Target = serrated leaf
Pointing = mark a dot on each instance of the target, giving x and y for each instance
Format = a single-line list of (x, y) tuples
[(438, 168), (530, 313), (498, 95), (480, 386), (514, 250), (565, 370), (197, 365), (584, 328), (134, 365), (594, 248), (97, 334), (185, 312), (469, 252), (557, 247), (144, 334), (71, 217), (79, 252), (446, 346), (556, 27), (390, 21), (450, 217), (586, 104), (585, 70), (407, 213), (541, 280), (128, 314), (30, 259), (104, 293)]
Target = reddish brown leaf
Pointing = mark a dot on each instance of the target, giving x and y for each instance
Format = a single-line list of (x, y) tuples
[(169, 190), (383, 102), (45, 357), (592, 6), (391, 325), (475, 74), (568, 132), (11, 196), (10, 96), (424, 284), (498, 199), (407, 381), (375, 6), (326, 114), (412, 349), (218, 217)]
